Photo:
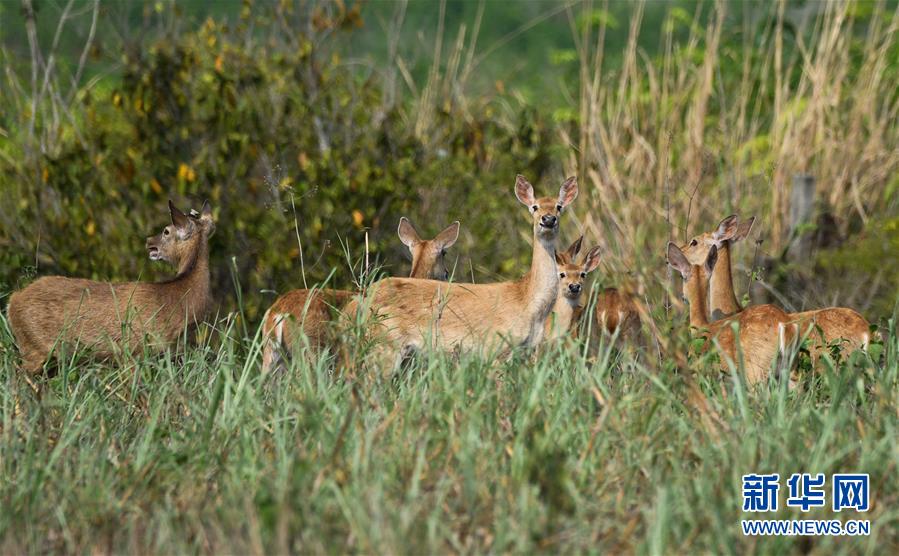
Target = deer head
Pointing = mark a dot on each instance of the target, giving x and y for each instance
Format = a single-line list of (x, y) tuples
[(546, 211), (428, 255), (572, 274), (180, 240)]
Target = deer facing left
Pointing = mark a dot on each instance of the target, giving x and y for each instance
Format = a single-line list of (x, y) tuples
[(108, 318)]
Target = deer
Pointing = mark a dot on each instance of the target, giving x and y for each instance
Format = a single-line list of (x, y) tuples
[(310, 310), (410, 314), (827, 326), (763, 331), (566, 312), (106, 317), (616, 312)]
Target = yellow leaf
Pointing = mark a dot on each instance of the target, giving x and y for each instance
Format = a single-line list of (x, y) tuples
[(45, 174), (219, 63), (90, 228), (154, 185), (358, 218), (303, 160), (186, 173)]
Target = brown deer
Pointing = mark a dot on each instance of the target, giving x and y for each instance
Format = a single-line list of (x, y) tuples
[(763, 331), (566, 313), (107, 317), (616, 312), (830, 326), (310, 310), (410, 313)]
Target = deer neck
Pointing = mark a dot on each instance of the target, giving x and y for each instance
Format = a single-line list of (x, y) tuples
[(541, 284), (697, 292), (191, 284), (721, 287), (566, 313)]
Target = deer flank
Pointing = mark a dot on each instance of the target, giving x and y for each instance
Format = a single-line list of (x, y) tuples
[(312, 311)]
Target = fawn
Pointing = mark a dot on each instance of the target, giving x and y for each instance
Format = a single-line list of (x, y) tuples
[(566, 312), (106, 317), (466, 316), (311, 308), (829, 326), (764, 331)]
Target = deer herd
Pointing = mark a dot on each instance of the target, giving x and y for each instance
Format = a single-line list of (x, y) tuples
[(427, 311)]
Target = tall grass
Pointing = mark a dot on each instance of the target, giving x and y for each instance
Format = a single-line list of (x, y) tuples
[(719, 121), (197, 452)]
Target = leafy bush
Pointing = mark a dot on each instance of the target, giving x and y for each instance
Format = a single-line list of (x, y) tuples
[(270, 130)]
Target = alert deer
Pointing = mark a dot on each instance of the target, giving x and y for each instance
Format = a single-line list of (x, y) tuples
[(311, 309), (566, 312), (829, 326), (410, 313), (764, 331), (108, 317)]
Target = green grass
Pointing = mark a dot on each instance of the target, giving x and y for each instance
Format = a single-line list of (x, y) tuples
[(196, 452)]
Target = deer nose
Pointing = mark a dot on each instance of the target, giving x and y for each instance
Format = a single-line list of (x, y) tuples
[(574, 288), (548, 220)]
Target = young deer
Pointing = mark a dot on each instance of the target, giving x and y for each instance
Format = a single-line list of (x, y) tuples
[(468, 316), (311, 310), (566, 313), (832, 325), (106, 317), (764, 330)]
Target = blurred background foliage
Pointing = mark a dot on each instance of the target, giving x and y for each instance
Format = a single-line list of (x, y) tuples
[(309, 123)]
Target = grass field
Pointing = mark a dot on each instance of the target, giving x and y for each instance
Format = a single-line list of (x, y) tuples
[(197, 452)]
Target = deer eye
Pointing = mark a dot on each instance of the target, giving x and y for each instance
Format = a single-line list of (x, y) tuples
[(583, 274), (561, 275), (559, 208), (166, 232), (534, 208), (694, 243)]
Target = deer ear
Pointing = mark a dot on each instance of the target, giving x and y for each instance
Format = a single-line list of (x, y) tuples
[(568, 191), (743, 229), (206, 218), (524, 191), (179, 219), (575, 248), (711, 259), (407, 233), (448, 237), (726, 229), (679, 262), (562, 258), (592, 259)]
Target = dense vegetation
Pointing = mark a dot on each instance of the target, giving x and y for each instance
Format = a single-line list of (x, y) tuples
[(310, 125), (200, 453)]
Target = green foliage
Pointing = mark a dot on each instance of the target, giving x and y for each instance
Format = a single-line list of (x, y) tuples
[(277, 134), (874, 253), (197, 452)]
